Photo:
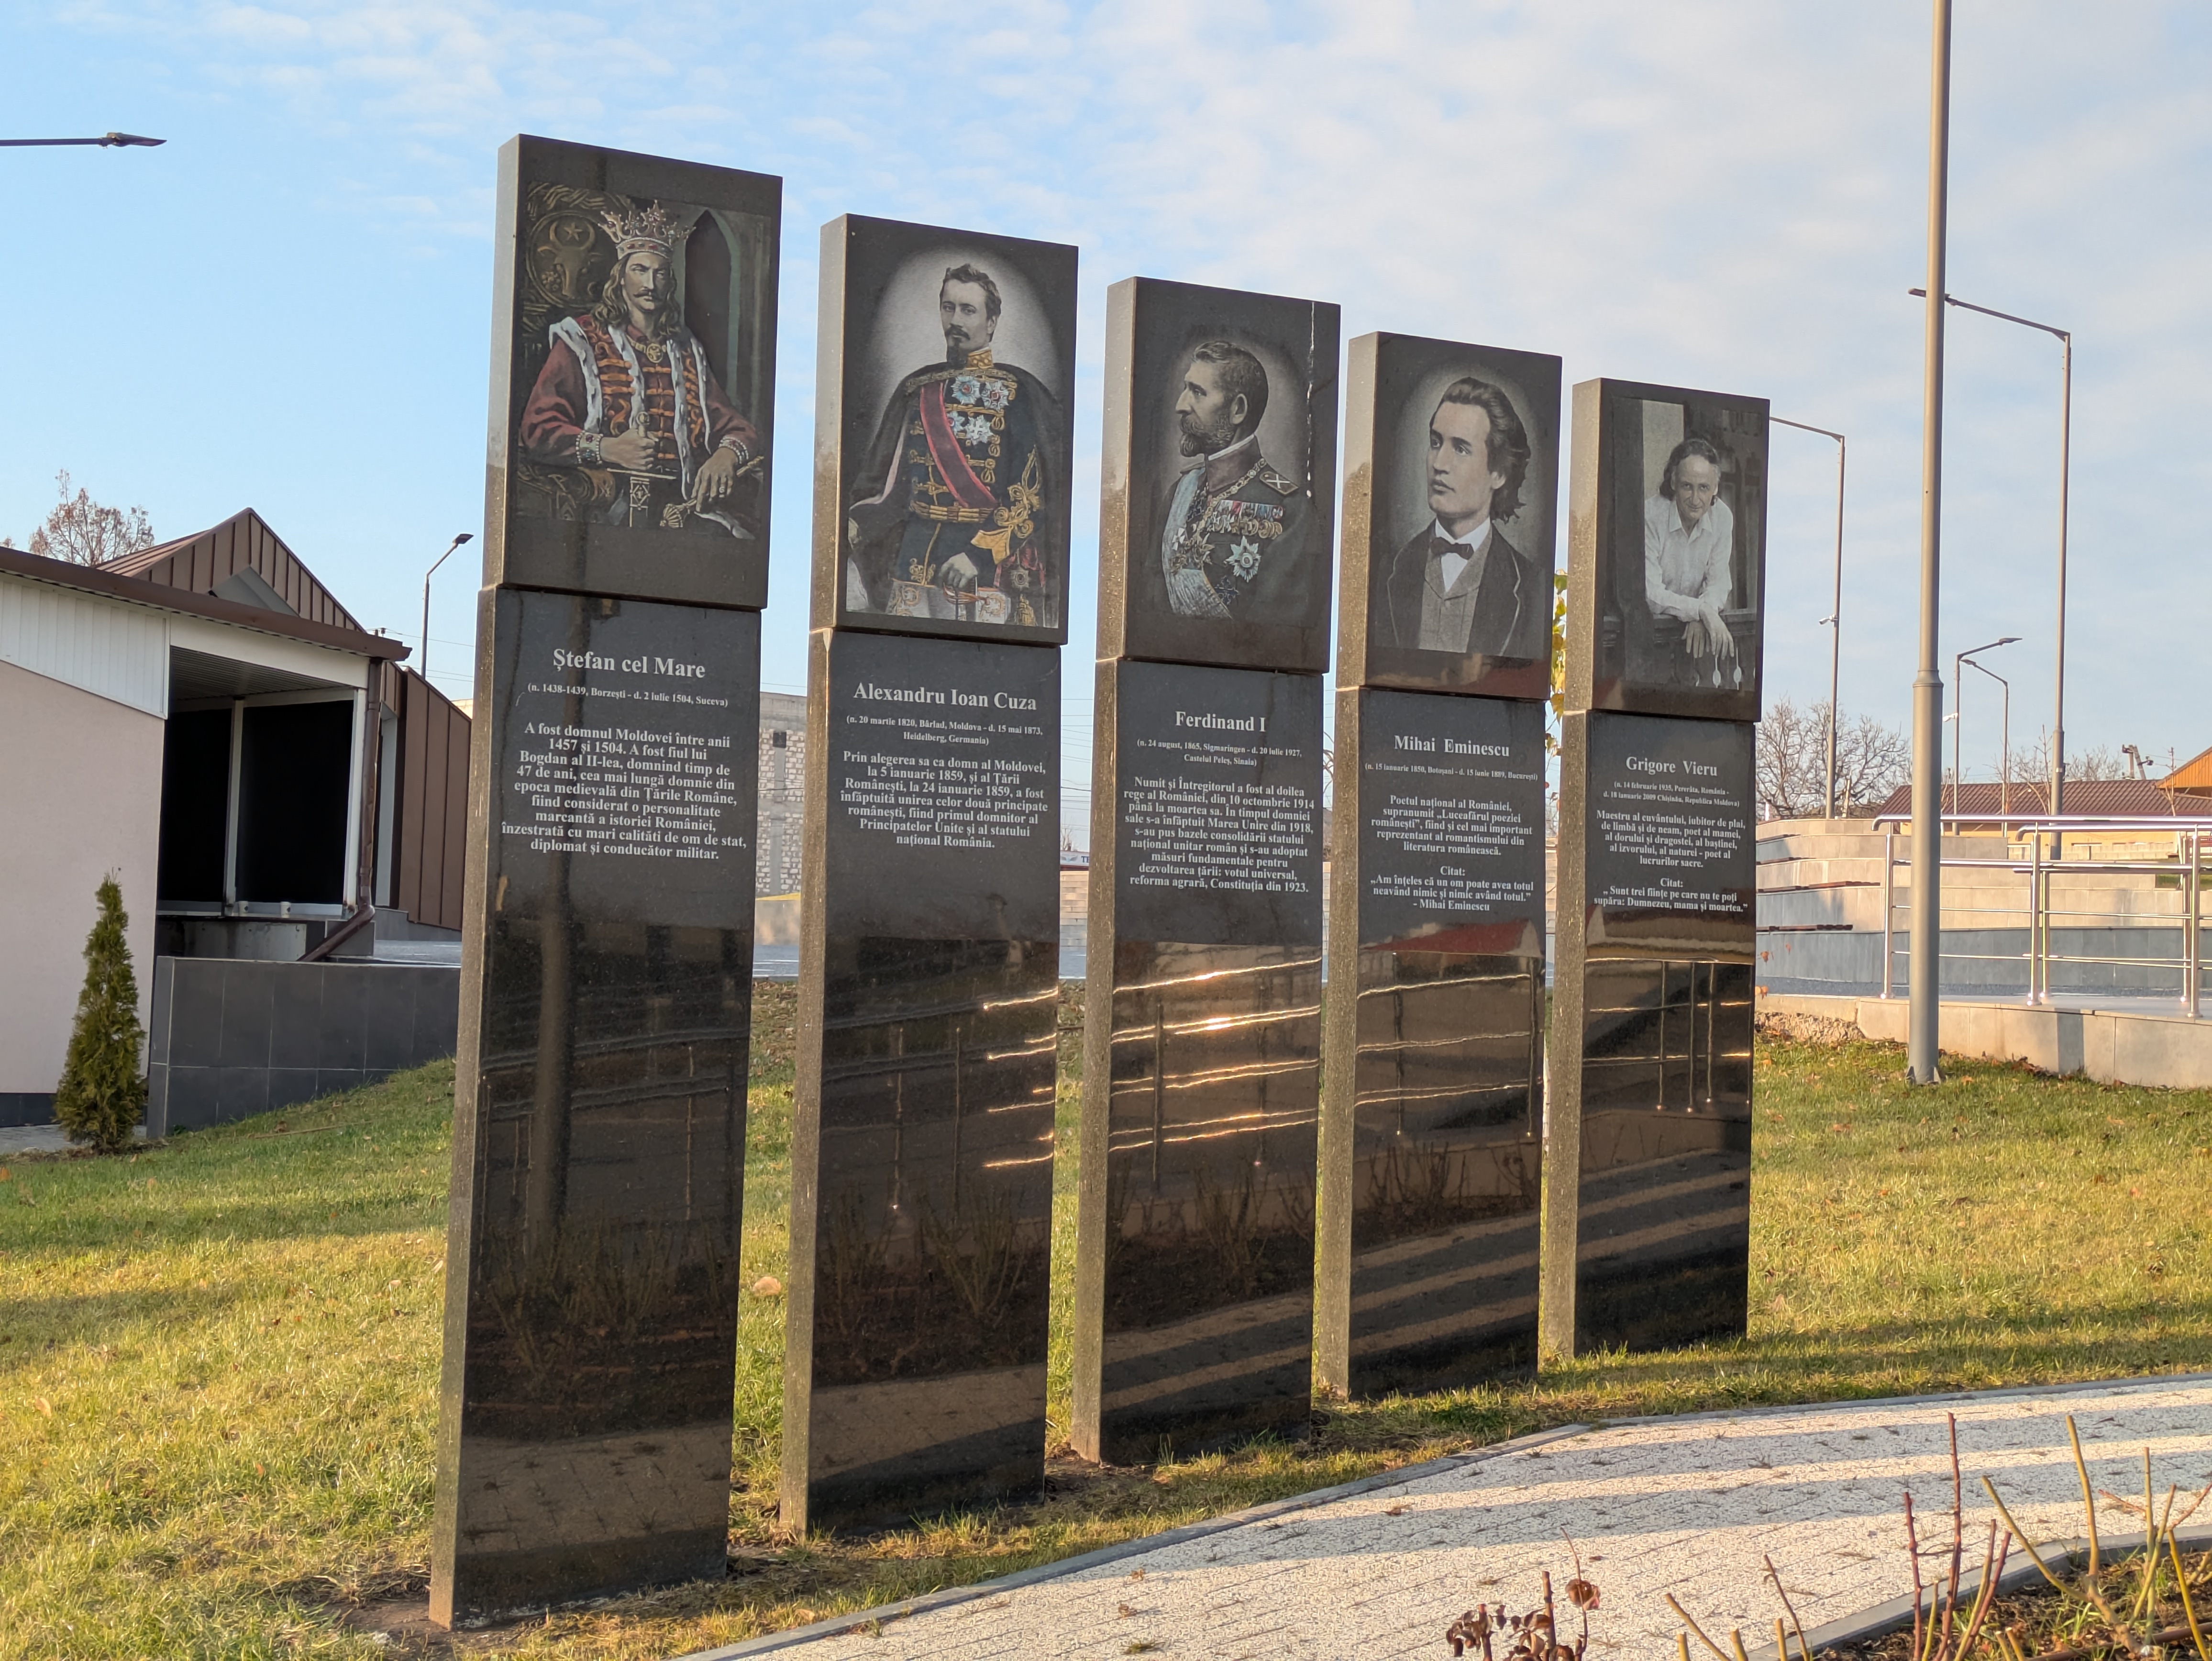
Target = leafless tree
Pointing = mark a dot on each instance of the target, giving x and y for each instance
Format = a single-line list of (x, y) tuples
[(1792, 763), (2031, 763), (88, 532)]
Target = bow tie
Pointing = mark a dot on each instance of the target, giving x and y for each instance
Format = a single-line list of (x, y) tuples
[(1441, 544)]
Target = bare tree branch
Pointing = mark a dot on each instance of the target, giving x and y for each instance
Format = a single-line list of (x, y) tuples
[(85, 533)]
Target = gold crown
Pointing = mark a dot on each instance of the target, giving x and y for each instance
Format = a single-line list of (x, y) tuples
[(641, 229)]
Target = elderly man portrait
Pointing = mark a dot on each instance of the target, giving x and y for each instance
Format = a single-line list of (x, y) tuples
[(1235, 543), (1689, 547), (627, 396), (952, 511), (1459, 586)]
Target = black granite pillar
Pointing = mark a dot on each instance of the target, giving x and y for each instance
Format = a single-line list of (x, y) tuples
[(923, 1145), (599, 1113), (1433, 1110), (1193, 1312), (1647, 1201)]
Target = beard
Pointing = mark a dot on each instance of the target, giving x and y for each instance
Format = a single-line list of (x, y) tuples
[(1202, 438), (958, 344)]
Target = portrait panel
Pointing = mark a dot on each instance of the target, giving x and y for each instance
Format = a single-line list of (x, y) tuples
[(1220, 475), (1451, 486), (634, 388), (1673, 486), (944, 432)]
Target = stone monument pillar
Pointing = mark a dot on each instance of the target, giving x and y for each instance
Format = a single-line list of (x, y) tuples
[(929, 956), (1647, 1190), (1193, 1304), (606, 978), (1432, 1115)]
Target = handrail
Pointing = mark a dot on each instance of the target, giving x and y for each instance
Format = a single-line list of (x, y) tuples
[(2192, 835), (2065, 821)]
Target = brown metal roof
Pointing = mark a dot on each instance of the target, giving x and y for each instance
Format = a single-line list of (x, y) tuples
[(2105, 798), (242, 542), (108, 580)]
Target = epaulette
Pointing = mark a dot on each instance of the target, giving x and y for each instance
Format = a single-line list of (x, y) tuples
[(1276, 482)]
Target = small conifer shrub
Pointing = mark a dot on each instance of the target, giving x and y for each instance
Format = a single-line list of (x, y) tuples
[(102, 1097)]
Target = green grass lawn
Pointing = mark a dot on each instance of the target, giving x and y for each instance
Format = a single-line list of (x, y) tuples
[(218, 1359)]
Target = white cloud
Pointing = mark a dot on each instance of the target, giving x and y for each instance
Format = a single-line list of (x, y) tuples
[(1718, 193)]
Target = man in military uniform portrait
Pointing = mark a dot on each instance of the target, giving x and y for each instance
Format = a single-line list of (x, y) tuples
[(1459, 587), (1235, 545), (948, 510), (627, 396)]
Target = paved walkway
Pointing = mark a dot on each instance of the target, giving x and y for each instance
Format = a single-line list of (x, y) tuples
[(1686, 1506), (17, 1139)]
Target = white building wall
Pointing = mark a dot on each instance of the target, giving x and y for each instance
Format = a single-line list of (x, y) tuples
[(80, 797), (119, 652)]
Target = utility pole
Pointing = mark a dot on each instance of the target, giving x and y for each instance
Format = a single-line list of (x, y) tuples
[(1925, 966)]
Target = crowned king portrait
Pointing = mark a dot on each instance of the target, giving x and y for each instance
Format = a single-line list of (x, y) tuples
[(627, 397), (953, 510)]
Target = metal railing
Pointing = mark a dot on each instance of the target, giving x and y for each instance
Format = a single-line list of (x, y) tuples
[(2192, 838)]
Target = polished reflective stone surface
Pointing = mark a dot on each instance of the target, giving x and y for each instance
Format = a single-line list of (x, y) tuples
[(931, 1257), (1209, 1078), (951, 431), (914, 1374), (1209, 1195), (689, 522), (1216, 529), (1401, 485), (1447, 1159), (1446, 1090), (1662, 588), (1670, 839), (599, 1146), (1665, 1206)]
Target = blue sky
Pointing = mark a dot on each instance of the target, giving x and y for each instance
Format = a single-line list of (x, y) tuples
[(288, 306)]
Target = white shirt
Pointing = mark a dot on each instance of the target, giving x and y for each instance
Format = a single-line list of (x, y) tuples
[(1685, 573), (1463, 552)]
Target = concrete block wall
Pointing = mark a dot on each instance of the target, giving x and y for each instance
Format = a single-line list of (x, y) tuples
[(231, 1037)]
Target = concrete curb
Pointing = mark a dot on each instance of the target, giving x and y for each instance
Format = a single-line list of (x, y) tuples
[(1882, 1618), (1143, 1544)]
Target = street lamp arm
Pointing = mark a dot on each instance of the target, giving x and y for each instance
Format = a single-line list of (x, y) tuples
[(107, 141), (1836, 605), (1991, 311), (1805, 427), (422, 665), (1967, 656)]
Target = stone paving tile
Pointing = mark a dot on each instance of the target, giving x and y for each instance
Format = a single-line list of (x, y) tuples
[(39, 1139), (1683, 1506)]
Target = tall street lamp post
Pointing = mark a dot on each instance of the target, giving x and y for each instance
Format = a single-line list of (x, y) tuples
[(1959, 662), (1925, 966), (1834, 620), (2065, 471), (2004, 743), (424, 664)]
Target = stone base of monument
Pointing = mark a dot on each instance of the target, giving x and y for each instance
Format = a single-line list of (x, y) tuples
[(1648, 1206), (1433, 1133), (922, 1141), (1194, 1323)]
